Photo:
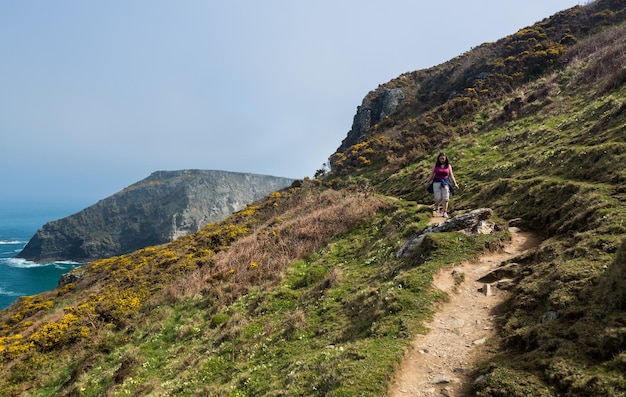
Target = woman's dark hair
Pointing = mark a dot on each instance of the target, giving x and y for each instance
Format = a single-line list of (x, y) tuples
[(446, 164)]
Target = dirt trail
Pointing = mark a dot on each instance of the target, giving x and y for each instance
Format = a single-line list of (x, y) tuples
[(440, 362)]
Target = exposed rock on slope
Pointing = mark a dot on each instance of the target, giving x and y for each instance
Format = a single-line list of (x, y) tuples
[(375, 107), (156, 210)]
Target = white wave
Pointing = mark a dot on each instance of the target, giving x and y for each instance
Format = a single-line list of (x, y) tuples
[(67, 263), (9, 293), (11, 242), (23, 263)]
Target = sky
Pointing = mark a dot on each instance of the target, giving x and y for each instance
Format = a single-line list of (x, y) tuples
[(97, 95)]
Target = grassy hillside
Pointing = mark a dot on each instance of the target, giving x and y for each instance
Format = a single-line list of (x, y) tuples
[(298, 295), (302, 294)]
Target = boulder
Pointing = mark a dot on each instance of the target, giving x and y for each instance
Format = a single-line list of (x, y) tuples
[(468, 223)]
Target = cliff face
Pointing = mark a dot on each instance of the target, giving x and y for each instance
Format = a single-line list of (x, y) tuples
[(375, 107), (156, 210)]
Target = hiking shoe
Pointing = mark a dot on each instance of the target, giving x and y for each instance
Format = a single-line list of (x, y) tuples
[(445, 215)]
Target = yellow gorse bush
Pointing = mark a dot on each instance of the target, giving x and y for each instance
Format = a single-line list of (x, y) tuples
[(118, 288), (13, 346), (58, 333)]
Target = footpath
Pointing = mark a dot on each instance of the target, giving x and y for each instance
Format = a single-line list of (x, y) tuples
[(440, 363)]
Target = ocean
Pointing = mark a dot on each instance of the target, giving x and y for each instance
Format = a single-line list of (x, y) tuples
[(18, 223)]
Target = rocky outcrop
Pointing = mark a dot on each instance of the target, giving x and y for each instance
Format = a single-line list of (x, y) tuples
[(375, 107), (473, 222), (156, 210)]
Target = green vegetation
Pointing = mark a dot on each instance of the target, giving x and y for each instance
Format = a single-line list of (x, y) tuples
[(301, 293), (297, 296)]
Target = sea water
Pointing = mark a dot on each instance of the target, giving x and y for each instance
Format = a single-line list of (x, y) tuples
[(18, 223)]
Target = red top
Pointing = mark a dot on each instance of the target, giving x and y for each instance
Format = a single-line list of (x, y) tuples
[(441, 172)]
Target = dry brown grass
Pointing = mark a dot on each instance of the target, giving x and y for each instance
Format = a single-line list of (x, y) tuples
[(263, 256), (302, 224), (187, 287), (605, 67)]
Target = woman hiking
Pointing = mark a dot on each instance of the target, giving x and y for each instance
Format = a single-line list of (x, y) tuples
[(442, 179)]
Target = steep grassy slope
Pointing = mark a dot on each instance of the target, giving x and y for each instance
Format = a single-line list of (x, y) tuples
[(302, 292), (298, 295), (553, 153)]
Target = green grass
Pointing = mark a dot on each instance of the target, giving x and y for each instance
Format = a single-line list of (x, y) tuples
[(347, 309)]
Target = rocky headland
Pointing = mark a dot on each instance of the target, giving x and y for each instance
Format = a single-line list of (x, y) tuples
[(155, 210)]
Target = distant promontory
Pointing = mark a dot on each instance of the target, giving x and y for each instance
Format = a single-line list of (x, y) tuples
[(155, 210)]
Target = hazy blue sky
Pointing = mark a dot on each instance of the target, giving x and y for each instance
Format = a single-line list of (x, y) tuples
[(96, 95)]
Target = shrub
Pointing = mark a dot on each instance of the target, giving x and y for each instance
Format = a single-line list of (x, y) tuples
[(59, 333)]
